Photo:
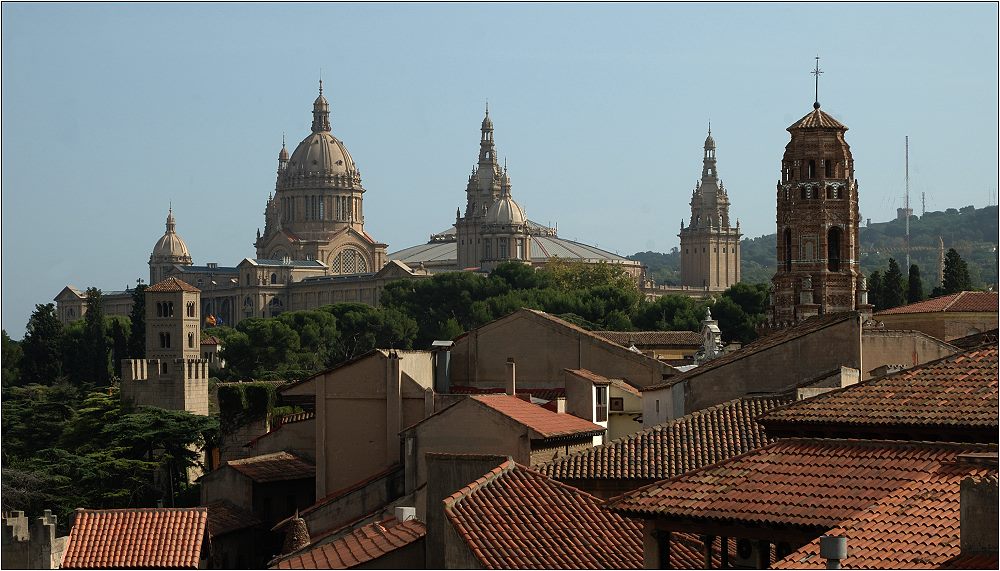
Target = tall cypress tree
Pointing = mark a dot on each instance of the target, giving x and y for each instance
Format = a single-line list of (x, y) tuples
[(875, 290), (95, 365), (42, 346), (915, 286), (956, 274), (892, 286), (137, 336)]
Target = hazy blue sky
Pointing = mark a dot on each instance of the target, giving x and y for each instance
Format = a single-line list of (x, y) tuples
[(112, 111)]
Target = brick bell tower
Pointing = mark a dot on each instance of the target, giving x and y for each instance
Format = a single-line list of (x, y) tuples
[(817, 217)]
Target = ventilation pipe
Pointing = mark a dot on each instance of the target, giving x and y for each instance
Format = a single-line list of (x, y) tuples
[(442, 366), (511, 385), (833, 549)]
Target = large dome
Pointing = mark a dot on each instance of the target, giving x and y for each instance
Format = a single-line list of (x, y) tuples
[(505, 212), (171, 246), (320, 154)]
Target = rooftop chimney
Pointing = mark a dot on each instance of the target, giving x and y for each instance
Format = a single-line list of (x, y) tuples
[(511, 384), (979, 523), (405, 513), (833, 549)]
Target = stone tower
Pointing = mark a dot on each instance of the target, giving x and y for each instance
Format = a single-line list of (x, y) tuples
[(817, 219), (170, 250), (173, 375), (316, 212), (710, 246), (504, 231), (482, 190)]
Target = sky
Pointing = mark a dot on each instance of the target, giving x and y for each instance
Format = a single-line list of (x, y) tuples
[(114, 112)]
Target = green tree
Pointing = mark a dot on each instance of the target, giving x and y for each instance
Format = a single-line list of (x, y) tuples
[(34, 416), (12, 354), (42, 346), (670, 313), (137, 318), (892, 287), (915, 286), (259, 345), (119, 345), (94, 364), (956, 274), (875, 288)]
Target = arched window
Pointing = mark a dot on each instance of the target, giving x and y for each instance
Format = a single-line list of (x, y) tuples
[(829, 168), (788, 249), (248, 279), (170, 309), (503, 248), (833, 239), (274, 278), (190, 340), (349, 261), (812, 169), (159, 309)]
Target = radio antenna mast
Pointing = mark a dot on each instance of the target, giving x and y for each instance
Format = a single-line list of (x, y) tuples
[(906, 207)]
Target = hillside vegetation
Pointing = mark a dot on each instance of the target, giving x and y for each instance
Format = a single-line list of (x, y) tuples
[(970, 231)]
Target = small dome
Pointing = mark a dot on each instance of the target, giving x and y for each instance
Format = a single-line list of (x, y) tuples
[(709, 142), (505, 211), (170, 245), (320, 154)]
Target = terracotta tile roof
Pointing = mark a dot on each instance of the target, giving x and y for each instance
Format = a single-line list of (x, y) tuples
[(813, 483), (963, 301), (666, 450), (172, 284), (538, 393), (960, 390), (817, 119), (211, 340), (362, 545), (166, 538), (774, 339), (973, 561), (516, 518), (544, 423), (916, 526), (643, 338), (275, 467), (976, 339), (224, 517), (296, 417)]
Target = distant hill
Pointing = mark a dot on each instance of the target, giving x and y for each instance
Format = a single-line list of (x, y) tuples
[(972, 232)]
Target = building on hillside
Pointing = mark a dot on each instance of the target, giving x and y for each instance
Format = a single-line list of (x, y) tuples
[(71, 303), (173, 376), (494, 228), (666, 450), (947, 317), (796, 358), (146, 538), (818, 254), (710, 245)]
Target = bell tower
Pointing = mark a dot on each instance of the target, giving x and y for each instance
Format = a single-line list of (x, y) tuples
[(817, 222)]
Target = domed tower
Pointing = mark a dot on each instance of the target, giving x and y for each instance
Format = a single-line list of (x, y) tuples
[(169, 250), (317, 211), (482, 190), (817, 219), (710, 247), (505, 230)]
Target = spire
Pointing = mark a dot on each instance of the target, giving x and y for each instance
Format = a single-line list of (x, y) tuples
[(817, 72), (487, 152), (283, 153), (171, 223), (321, 112)]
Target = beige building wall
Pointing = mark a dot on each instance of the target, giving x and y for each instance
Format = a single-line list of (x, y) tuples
[(622, 423), (542, 349), (907, 348), (358, 418), (227, 484), (944, 325)]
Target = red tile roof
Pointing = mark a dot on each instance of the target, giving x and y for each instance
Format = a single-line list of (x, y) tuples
[(795, 482), (275, 467), (976, 339), (973, 561), (963, 301), (211, 340), (773, 339), (516, 518), (958, 391), (172, 284), (362, 545), (225, 517), (539, 393), (817, 119), (915, 526), (544, 423), (648, 338), (166, 538), (687, 443)]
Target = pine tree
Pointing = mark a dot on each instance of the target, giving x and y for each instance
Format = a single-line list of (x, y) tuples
[(42, 346), (892, 286), (137, 336), (915, 286), (956, 274), (95, 360)]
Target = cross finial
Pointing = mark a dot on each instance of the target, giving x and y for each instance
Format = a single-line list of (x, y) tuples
[(709, 127), (817, 72), (487, 106)]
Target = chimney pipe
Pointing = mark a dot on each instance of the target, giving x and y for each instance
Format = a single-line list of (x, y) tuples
[(978, 521), (833, 549), (511, 384)]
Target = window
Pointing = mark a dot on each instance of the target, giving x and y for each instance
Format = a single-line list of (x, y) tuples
[(617, 404), (274, 278), (812, 169), (349, 261), (829, 168), (248, 279), (163, 368), (170, 309), (601, 412), (788, 249), (833, 249), (190, 309), (503, 248), (159, 309), (190, 340)]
